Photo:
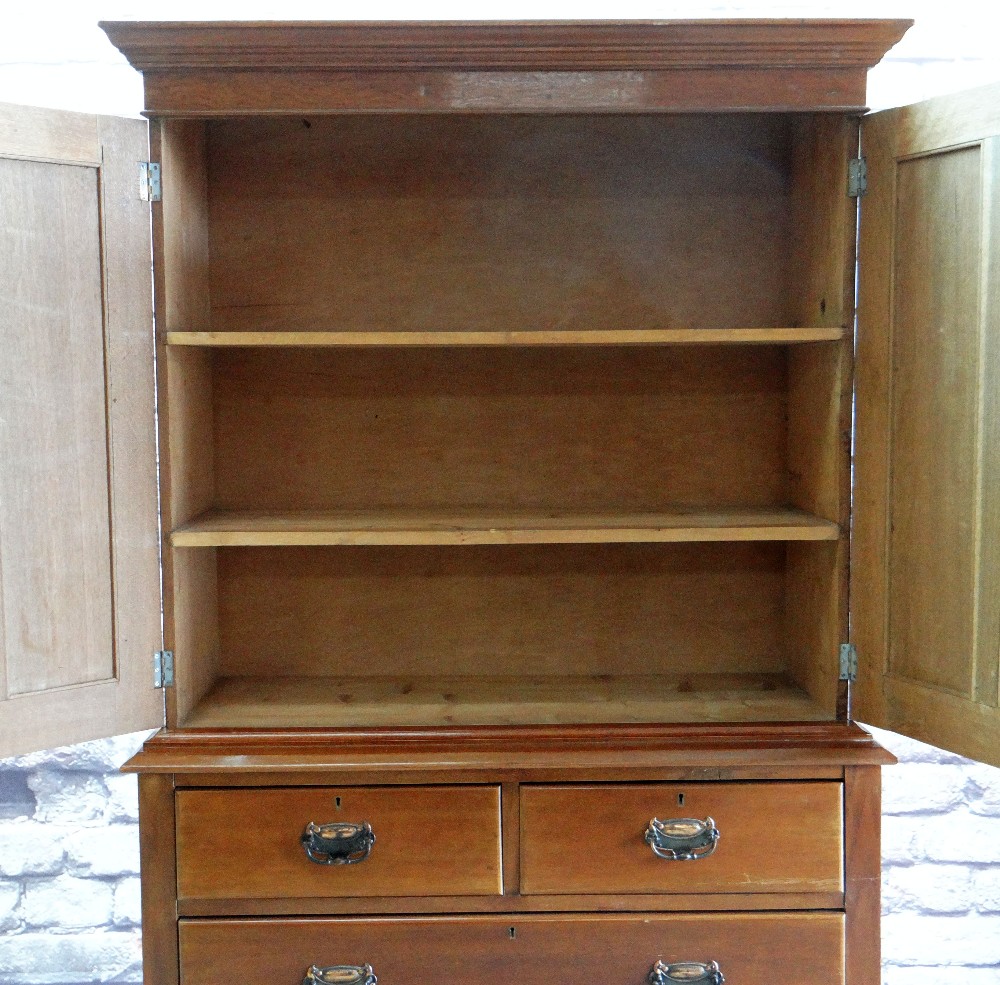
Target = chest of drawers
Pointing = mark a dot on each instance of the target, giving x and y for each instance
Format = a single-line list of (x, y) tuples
[(513, 584)]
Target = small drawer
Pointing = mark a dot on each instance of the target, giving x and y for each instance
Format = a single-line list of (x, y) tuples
[(749, 949), (256, 843), (771, 838)]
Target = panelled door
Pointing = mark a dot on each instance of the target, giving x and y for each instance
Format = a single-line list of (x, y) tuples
[(79, 570), (925, 589)]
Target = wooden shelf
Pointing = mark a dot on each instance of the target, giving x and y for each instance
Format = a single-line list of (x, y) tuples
[(218, 528), (279, 702), (676, 336)]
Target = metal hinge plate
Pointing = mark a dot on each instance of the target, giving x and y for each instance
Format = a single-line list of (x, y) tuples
[(163, 668), (848, 662), (857, 177), (149, 181)]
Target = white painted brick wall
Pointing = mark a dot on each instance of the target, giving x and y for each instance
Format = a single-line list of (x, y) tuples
[(69, 866), (69, 892)]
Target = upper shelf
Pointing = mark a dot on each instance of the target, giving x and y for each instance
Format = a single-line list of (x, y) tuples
[(219, 528), (555, 337)]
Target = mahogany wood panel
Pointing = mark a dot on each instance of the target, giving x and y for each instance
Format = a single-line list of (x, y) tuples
[(862, 873), (754, 949), (701, 752), (501, 773), (509, 45), (541, 610), (219, 68), (504, 224), (430, 841), (512, 904), (158, 861), (229, 93), (774, 838)]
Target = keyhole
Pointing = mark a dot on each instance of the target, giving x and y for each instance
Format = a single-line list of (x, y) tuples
[(513, 932), (680, 800), (822, 306), (337, 803)]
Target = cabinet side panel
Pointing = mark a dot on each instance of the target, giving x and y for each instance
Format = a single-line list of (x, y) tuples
[(158, 858), (186, 418), (821, 289), (862, 873)]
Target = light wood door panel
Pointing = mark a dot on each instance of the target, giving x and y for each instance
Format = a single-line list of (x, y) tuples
[(753, 949), (926, 564), (55, 534), (79, 577)]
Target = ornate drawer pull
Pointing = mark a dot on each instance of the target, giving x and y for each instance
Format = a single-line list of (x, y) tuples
[(688, 972), (338, 844), (341, 974), (683, 839)]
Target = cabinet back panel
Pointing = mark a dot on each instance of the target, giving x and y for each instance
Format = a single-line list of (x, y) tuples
[(619, 429), (588, 609), (499, 223)]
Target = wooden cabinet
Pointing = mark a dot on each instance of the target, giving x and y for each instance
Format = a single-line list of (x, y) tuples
[(506, 404)]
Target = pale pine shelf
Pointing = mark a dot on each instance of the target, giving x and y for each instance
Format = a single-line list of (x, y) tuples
[(220, 528), (413, 700), (541, 337)]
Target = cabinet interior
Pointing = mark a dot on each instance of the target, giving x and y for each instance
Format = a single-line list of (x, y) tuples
[(506, 419)]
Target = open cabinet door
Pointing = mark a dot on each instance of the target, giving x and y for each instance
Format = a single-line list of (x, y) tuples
[(79, 569), (925, 591)]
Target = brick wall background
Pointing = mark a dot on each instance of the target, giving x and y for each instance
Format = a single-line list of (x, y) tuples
[(69, 888)]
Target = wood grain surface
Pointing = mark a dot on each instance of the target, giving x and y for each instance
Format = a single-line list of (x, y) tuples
[(429, 841), (542, 610), (801, 949), (774, 837), (382, 701), (223, 528)]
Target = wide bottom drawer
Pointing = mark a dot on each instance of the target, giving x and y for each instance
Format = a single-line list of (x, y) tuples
[(749, 949)]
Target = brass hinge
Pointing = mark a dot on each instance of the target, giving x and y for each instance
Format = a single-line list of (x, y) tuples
[(149, 181), (857, 177), (163, 668), (848, 662)]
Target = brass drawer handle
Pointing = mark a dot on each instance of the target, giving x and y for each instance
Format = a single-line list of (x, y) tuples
[(688, 972), (338, 844), (341, 974), (683, 839)]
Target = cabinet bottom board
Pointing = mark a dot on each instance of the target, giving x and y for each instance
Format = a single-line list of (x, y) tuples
[(279, 702)]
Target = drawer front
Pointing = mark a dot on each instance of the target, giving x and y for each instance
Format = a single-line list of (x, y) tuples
[(750, 949), (773, 838), (247, 843)]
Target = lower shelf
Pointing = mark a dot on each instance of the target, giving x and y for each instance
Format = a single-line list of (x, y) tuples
[(345, 702)]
